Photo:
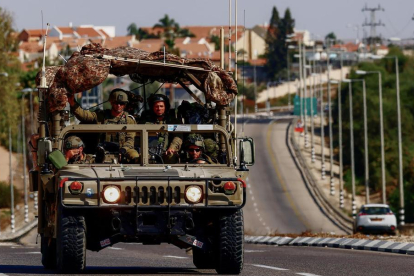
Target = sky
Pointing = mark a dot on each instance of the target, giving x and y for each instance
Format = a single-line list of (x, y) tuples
[(319, 17)]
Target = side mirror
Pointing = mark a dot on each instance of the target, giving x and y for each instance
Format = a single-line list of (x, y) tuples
[(246, 151)]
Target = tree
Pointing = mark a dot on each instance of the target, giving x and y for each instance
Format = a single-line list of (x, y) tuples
[(330, 38), (273, 53), (139, 32), (9, 111), (170, 28), (276, 48)]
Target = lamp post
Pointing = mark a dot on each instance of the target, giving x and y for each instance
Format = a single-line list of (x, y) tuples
[(400, 162), (352, 142), (288, 71), (322, 129), (12, 221), (332, 186), (360, 72), (305, 95), (341, 174)]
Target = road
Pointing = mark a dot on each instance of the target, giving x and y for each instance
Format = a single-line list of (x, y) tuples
[(137, 259), (278, 200)]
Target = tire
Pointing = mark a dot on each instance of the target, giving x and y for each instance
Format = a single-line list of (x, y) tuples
[(230, 248), (48, 249), (203, 260), (71, 243)]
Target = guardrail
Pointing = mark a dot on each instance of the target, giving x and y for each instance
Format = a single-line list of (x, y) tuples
[(332, 212)]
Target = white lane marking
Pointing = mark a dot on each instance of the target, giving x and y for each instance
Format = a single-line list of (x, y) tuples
[(307, 274), (115, 248), (269, 267), (254, 204), (253, 251), (175, 257), (35, 252)]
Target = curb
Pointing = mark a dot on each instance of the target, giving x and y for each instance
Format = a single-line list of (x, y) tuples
[(19, 233), (342, 243)]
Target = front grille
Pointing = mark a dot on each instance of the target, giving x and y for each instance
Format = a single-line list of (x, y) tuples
[(152, 195), (151, 172)]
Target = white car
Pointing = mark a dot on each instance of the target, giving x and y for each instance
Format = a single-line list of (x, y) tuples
[(375, 218)]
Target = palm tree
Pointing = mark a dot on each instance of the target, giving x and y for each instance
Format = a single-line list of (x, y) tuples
[(169, 26)]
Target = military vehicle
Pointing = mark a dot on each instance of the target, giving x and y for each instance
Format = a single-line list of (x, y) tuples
[(196, 206)]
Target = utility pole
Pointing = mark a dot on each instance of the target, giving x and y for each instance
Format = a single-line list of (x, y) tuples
[(372, 24)]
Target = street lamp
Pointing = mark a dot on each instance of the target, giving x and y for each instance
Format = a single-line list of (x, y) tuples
[(401, 180), (341, 185), (30, 90), (300, 84), (361, 72), (351, 128), (288, 71)]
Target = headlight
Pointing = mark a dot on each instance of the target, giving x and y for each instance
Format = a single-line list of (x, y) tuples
[(111, 194), (193, 194)]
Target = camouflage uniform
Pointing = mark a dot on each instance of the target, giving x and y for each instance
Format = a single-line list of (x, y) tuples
[(74, 142), (197, 140), (125, 139), (149, 117)]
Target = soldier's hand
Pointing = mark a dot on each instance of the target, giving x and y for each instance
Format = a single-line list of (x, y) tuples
[(170, 152)]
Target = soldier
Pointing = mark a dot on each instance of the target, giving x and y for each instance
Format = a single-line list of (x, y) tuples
[(116, 115), (73, 149), (159, 114), (195, 148)]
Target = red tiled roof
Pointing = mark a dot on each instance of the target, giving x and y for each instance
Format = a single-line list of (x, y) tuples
[(350, 47), (194, 50), (35, 32), (65, 30), (150, 45), (32, 47), (87, 32), (104, 33), (117, 41)]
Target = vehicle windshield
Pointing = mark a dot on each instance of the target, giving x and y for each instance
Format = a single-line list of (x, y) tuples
[(375, 210), (169, 146)]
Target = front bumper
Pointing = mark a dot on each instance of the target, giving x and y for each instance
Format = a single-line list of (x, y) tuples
[(141, 193)]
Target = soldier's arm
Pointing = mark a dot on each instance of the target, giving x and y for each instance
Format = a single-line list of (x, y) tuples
[(130, 136), (83, 115), (176, 143)]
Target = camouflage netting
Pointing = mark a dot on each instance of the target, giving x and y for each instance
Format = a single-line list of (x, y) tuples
[(83, 72)]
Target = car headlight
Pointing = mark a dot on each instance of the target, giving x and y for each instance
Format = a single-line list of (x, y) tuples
[(111, 194), (193, 194)]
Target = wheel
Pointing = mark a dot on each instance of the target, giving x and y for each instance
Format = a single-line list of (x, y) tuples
[(203, 260), (48, 249), (230, 248), (71, 243)]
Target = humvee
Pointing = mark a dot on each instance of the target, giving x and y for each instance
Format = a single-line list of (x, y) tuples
[(197, 207)]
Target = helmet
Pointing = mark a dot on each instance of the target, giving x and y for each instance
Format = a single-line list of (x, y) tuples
[(73, 142), (118, 95), (195, 140), (159, 98)]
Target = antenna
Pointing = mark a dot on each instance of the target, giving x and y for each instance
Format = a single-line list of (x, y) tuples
[(235, 44), (229, 35), (43, 80)]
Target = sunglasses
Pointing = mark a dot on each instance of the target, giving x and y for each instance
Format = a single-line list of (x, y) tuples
[(119, 103), (196, 150)]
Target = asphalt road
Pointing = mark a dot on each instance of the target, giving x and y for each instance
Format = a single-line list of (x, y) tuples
[(137, 259), (278, 200)]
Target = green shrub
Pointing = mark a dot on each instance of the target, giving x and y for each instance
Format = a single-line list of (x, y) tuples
[(5, 199)]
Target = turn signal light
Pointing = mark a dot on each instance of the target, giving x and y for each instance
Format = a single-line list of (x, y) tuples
[(75, 187), (362, 214), (229, 188)]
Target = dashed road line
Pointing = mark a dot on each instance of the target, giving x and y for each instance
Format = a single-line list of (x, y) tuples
[(269, 267), (175, 257), (307, 274), (115, 248)]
